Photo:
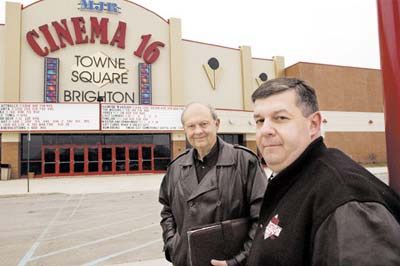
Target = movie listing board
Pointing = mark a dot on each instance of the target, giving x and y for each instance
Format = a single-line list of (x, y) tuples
[(141, 117), (16, 117)]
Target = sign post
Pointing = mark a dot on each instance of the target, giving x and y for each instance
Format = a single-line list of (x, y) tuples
[(389, 32), (29, 156)]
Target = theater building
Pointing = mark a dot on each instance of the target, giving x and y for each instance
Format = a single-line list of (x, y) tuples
[(97, 87), (59, 58)]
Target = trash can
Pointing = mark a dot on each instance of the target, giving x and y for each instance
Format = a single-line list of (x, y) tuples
[(5, 171)]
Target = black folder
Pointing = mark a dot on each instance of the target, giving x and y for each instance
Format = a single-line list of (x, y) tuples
[(221, 241)]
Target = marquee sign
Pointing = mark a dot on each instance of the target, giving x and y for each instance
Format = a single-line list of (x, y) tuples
[(17, 117), (37, 117), (140, 117)]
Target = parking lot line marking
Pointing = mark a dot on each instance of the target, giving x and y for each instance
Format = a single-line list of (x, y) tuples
[(76, 207), (33, 248), (92, 242), (96, 262), (28, 254), (98, 217), (95, 228)]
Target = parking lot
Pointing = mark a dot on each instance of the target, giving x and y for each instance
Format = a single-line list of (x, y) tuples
[(81, 228), (107, 220)]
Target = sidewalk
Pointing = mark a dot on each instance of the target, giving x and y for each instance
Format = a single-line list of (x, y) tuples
[(82, 184), (103, 184)]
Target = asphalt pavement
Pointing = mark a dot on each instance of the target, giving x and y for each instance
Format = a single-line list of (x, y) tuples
[(88, 220), (102, 220)]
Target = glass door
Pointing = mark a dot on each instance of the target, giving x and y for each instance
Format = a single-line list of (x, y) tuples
[(107, 159), (49, 160), (96, 159), (133, 160), (79, 160), (64, 162), (120, 159), (93, 159), (140, 158), (147, 158)]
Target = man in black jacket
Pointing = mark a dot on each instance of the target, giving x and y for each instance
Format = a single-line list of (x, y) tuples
[(214, 181), (320, 207)]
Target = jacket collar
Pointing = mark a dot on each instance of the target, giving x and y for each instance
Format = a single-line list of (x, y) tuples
[(210, 181), (282, 182), (225, 156), (316, 147)]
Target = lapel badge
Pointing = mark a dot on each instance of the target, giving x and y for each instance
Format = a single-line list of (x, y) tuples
[(273, 229)]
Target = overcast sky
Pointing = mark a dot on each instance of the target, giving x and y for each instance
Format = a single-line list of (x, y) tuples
[(340, 32)]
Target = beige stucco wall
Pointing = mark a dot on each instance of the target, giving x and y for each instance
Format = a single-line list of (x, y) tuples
[(139, 22), (12, 55), (262, 66), (228, 92), (2, 29)]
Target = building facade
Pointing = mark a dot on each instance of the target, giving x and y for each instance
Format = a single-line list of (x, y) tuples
[(97, 87)]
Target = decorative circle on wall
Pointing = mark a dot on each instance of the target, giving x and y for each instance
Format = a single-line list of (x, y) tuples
[(213, 63), (263, 76)]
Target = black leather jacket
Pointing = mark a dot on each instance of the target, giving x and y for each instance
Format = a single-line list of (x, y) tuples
[(232, 189)]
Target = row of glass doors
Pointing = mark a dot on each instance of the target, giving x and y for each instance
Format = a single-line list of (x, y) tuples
[(59, 160)]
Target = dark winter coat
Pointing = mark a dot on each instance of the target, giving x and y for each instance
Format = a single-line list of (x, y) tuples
[(325, 209), (233, 188)]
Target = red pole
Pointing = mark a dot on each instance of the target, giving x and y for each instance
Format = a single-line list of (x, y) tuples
[(389, 38)]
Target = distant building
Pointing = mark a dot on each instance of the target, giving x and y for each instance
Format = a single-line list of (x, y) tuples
[(352, 100)]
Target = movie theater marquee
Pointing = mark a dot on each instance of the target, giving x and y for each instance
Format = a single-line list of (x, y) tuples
[(39, 117), (111, 75)]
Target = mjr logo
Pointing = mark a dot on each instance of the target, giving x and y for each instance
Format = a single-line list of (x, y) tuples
[(100, 6)]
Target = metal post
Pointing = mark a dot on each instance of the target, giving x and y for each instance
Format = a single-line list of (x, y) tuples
[(389, 32), (100, 99), (29, 156)]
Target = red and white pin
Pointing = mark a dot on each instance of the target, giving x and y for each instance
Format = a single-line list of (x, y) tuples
[(273, 229)]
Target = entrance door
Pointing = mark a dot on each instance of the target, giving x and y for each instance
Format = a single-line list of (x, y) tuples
[(147, 159), (93, 159), (97, 159), (64, 162), (79, 160), (107, 159), (120, 159), (133, 158), (49, 160), (140, 158), (56, 160)]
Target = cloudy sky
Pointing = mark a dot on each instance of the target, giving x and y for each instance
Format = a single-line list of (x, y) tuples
[(340, 32)]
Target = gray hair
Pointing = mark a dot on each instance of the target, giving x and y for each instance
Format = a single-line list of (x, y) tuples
[(306, 97), (209, 107)]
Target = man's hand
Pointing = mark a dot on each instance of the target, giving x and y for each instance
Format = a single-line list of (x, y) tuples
[(219, 263)]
